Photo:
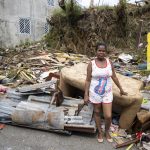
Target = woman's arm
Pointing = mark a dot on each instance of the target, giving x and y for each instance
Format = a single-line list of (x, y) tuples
[(87, 83), (116, 81)]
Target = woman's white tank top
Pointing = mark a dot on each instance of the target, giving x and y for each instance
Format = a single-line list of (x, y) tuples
[(101, 83)]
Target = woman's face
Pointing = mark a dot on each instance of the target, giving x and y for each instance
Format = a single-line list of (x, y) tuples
[(101, 51)]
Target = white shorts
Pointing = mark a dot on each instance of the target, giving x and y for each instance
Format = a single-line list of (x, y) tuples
[(96, 99)]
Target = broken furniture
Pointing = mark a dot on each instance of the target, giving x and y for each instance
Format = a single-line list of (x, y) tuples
[(73, 78)]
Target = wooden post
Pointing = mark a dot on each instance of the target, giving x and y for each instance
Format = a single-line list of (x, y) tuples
[(148, 51), (139, 35), (99, 2), (91, 3)]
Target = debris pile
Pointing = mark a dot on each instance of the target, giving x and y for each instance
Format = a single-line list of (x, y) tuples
[(33, 98), (31, 93), (33, 66), (40, 106)]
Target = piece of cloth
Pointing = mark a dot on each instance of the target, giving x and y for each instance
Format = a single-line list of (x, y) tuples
[(100, 90)]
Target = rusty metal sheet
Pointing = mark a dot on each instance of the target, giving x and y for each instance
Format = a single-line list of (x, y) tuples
[(28, 117), (87, 113), (56, 119), (37, 113), (6, 109)]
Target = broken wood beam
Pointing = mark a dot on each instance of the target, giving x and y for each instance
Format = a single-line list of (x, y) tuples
[(40, 99), (127, 143), (34, 87), (80, 128)]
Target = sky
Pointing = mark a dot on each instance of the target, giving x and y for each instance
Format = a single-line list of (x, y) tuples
[(100, 2)]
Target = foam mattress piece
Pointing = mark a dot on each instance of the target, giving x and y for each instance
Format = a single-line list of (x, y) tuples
[(75, 76)]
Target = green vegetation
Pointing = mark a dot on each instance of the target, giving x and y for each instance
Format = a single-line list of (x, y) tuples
[(79, 30), (122, 18), (71, 13), (104, 7), (65, 22)]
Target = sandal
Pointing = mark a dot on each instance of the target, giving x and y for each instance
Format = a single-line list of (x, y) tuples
[(108, 138), (100, 140)]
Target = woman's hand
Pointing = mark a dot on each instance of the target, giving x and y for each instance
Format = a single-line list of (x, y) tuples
[(86, 100), (123, 92)]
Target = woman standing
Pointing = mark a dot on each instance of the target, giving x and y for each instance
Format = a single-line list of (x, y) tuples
[(98, 89)]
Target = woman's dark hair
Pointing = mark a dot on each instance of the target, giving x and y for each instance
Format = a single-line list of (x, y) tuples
[(101, 44)]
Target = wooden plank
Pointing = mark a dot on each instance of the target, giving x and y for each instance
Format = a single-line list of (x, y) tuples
[(41, 99), (34, 87), (71, 98), (80, 128), (42, 57), (71, 102)]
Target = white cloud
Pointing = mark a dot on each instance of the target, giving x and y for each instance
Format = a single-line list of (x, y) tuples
[(86, 3)]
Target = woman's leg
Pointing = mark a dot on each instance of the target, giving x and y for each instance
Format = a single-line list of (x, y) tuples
[(97, 108), (107, 110)]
